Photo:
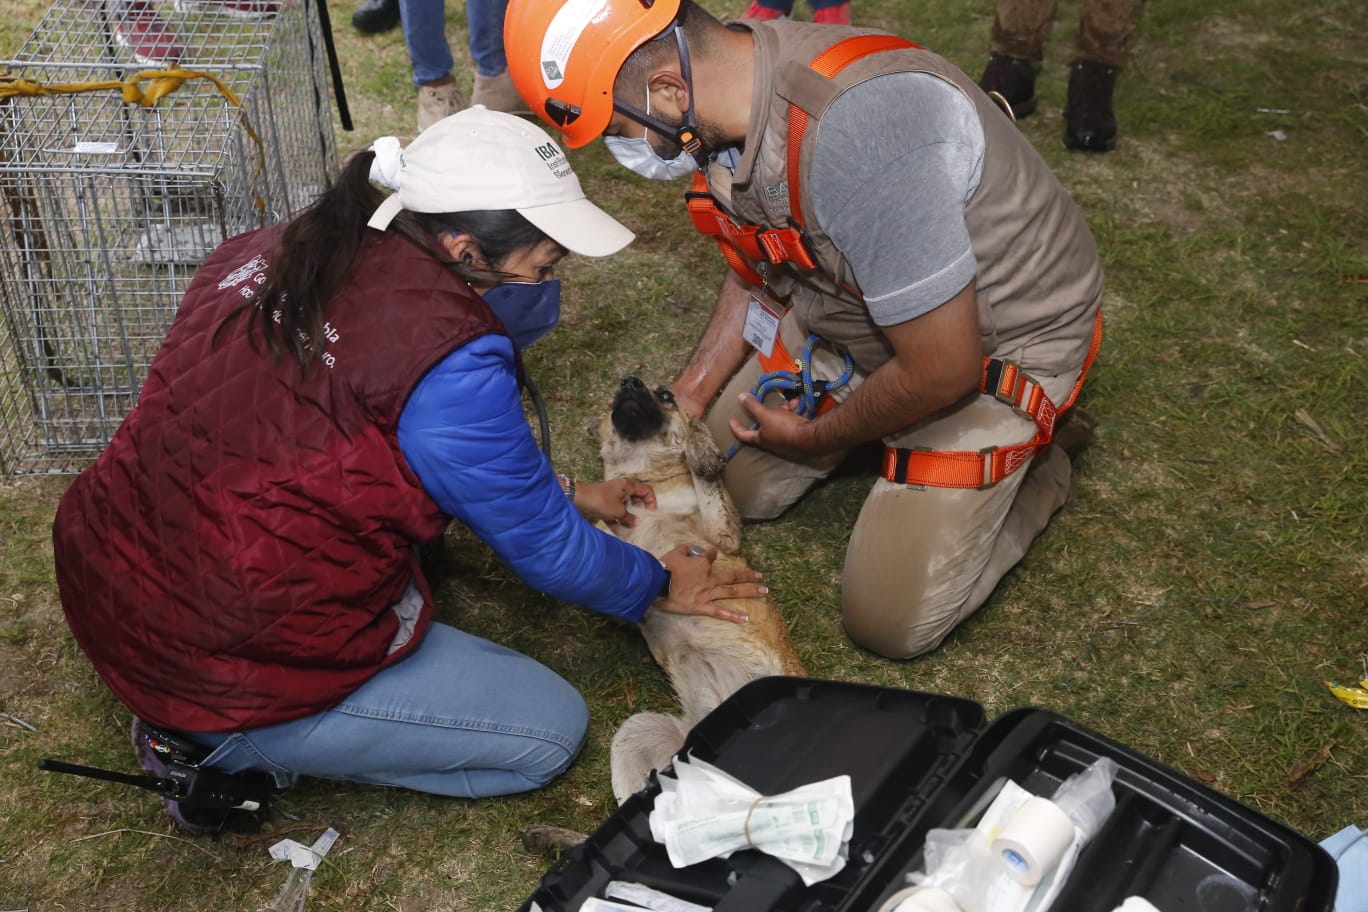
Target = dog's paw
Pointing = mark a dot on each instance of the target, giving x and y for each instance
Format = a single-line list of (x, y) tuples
[(549, 841)]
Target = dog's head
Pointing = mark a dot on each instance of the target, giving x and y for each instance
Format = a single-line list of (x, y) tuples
[(647, 436)]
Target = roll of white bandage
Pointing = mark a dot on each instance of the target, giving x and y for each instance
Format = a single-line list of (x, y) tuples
[(1033, 840), (921, 899)]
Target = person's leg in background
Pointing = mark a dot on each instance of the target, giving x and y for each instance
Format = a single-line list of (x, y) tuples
[(493, 86), (1020, 28), (920, 561), (424, 23), (1099, 53), (461, 716), (768, 9), (831, 12)]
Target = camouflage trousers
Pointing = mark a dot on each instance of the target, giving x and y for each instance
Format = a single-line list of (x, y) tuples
[(1021, 27)]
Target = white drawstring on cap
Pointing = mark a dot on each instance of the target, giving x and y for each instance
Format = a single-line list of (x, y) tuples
[(384, 171)]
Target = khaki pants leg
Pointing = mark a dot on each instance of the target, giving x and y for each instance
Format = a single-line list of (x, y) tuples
[(921, 561), (762, 484), (1020, 28), (1104, 30)]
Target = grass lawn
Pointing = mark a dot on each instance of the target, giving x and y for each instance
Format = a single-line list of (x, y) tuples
[(1209, 573)]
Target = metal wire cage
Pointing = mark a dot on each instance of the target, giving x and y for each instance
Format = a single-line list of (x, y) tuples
[(107, 207)]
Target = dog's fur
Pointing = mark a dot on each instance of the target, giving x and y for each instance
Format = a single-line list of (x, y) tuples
[(648, 438)]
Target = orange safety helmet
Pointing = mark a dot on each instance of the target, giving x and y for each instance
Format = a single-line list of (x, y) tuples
[(564, 55)]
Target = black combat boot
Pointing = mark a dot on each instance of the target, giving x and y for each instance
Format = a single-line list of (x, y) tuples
[(1089, 123), (373, 16), (1013, 79)]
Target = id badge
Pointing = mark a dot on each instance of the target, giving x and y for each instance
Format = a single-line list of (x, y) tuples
[(762, 322)]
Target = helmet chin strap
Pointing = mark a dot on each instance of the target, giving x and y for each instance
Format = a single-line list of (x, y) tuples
[(687, 135)]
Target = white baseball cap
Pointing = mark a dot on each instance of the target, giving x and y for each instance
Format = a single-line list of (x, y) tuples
[(481, 159)]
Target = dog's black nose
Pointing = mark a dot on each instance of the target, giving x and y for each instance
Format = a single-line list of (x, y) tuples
[(633, 383)]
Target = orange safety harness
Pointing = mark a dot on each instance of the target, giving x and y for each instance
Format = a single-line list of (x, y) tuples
[(1006, 382), (742, 245)]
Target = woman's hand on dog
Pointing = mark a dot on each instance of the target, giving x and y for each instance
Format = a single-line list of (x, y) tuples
[(696, 587), (611, 501)]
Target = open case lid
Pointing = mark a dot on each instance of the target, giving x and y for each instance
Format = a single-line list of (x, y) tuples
[(918, 761)]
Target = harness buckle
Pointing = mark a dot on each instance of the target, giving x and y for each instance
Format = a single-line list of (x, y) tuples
[(988, 454), (1004, 380), (804, 245), (900, 457)]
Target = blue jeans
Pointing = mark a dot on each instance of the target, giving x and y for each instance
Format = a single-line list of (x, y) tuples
[(786, 6), (424, 23), (459, 716)]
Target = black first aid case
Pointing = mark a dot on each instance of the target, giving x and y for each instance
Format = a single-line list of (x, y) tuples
[(920, 761)]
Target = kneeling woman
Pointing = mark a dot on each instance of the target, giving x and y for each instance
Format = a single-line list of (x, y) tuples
[(240, 563)]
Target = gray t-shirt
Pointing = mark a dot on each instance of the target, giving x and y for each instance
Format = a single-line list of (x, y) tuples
[(897, 159)]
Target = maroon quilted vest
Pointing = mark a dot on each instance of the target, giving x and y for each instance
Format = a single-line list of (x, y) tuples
[(231, 559)]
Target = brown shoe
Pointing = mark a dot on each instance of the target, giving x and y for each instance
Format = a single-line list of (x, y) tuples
[(438, 101), (497, 94)]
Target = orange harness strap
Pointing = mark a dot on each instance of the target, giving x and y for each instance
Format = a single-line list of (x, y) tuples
[(742, 245), (828, 64), (1005, 381)]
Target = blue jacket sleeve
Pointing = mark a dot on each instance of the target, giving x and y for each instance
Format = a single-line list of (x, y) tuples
[(464, 434)]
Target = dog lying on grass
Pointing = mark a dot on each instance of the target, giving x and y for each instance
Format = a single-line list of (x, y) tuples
[(648, 438)]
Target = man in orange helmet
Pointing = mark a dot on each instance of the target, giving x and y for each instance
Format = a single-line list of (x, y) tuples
[(882, 218)]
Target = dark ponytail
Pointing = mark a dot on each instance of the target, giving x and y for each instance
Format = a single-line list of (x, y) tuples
[(314, 257)]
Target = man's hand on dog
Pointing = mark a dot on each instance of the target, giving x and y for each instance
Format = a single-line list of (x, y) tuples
[(610, 501), (779, 428), (696, 587)]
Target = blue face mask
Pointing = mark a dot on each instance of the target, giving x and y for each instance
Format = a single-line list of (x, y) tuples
[(528, 310)]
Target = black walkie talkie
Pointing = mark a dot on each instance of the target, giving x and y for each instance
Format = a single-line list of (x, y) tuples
[(197, 788)]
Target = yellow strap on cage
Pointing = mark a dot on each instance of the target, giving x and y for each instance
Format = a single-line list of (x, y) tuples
[(163, 83)]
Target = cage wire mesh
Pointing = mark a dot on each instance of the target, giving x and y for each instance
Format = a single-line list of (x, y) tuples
[(107, 208)]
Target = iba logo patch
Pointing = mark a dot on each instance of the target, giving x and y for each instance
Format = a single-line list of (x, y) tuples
[(554, 158)]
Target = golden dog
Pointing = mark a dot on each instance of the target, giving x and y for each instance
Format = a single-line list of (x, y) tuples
[(648, 438)]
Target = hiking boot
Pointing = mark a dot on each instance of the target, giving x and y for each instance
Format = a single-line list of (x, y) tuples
[(1014, 80), (1089, 123), (832, 15), (375, 16), (497, 94), (238, 9), (436, 102), (763, 13), (135, 25)]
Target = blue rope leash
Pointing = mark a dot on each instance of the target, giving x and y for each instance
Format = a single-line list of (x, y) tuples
[(797, 384)]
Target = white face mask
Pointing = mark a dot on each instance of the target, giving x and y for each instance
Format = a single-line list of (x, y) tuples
[(637, 154)]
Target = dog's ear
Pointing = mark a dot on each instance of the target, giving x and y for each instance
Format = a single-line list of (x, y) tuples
[(701, 452)]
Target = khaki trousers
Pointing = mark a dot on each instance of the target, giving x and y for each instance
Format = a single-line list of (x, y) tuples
[(1021, 26), (919, 561)]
